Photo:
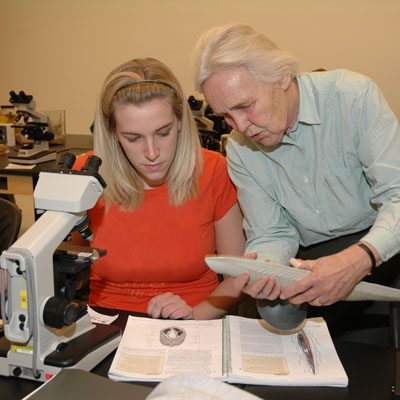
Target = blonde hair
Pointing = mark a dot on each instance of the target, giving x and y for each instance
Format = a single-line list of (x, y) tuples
[(237, 45), (137, 82)]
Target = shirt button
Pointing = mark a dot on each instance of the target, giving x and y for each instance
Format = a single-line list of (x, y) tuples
[(306, 179), (317, 212)]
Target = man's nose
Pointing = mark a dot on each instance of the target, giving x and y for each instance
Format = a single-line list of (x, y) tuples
[(241, 123), (151, 150)]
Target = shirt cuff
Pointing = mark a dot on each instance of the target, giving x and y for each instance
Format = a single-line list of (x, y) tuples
[(384, 242), (278, 254)]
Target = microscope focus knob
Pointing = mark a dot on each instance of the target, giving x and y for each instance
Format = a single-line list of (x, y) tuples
[(58, 312)]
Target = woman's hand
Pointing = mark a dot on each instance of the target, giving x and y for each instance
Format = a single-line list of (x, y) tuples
[(169, 306), (265, 287)]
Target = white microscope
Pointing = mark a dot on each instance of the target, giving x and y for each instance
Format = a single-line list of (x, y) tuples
[(44, 330)]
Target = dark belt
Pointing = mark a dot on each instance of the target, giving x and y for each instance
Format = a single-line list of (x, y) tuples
[(331, 246), (385, 274)]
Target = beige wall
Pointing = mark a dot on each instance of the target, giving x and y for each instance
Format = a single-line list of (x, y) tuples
[(60, 51)]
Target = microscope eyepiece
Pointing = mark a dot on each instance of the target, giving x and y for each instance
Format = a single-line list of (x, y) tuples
[(67, 161), (21, 97), (92, 164)]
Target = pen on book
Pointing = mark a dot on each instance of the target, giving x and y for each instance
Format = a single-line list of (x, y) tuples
[(304, 344)]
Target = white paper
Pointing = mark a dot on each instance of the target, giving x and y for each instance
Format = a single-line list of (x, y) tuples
[(98, 318), (20, 166)]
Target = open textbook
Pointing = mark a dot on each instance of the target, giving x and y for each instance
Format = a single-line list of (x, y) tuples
[(233, 349)]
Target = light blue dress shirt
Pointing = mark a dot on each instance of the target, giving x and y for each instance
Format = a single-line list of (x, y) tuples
[(337, 173)]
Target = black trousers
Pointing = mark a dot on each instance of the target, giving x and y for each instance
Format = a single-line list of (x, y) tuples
[(349, 315)]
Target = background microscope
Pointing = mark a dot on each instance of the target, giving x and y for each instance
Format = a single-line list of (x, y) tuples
[(211, 126), (34, 127)]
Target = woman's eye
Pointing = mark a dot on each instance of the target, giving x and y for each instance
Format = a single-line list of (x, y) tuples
[(163, 134), (132, 139)]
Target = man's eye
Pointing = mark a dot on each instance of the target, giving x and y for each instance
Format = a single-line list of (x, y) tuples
[(244, 106)]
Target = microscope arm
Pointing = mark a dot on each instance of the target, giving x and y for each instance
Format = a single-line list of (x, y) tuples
[(36, 116)]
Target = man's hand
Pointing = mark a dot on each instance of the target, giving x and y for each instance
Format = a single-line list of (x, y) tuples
[(332, 278), (169, 305), (264, 287)]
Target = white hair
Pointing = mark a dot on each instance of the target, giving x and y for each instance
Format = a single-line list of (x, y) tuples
[(236, 45)]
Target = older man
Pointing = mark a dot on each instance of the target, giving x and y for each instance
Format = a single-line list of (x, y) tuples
[(315, 158)]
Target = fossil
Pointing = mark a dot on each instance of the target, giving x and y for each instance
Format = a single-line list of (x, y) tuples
[(285, 276)]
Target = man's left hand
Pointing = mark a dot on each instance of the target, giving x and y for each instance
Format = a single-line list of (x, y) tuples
[(332, 278)]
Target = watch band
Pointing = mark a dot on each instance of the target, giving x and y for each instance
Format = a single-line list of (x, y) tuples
[(371, 256)]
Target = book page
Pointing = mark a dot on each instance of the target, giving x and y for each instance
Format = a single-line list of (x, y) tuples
[(154, 349), (262, 357)]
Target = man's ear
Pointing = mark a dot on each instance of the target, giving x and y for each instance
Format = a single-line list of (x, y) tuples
[(284, 82)]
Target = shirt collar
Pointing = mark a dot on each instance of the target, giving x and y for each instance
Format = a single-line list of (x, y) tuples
[(308, 113)]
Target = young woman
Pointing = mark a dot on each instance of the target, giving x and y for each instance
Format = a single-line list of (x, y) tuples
[(168, 202)]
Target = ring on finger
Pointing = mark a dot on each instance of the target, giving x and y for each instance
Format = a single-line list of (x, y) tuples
[(317, 302)]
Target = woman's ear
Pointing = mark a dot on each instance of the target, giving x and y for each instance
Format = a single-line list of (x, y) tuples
[(179, 125)]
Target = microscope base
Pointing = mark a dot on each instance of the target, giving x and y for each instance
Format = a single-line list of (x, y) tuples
[(83, 352), (43, 156)]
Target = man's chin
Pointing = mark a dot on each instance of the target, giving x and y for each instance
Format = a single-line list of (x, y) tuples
[(267, 142)]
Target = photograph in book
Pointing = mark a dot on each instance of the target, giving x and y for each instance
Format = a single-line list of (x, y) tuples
[(233, 349)]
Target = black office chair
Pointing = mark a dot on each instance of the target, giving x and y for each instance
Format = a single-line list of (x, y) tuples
[(10, 223)]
